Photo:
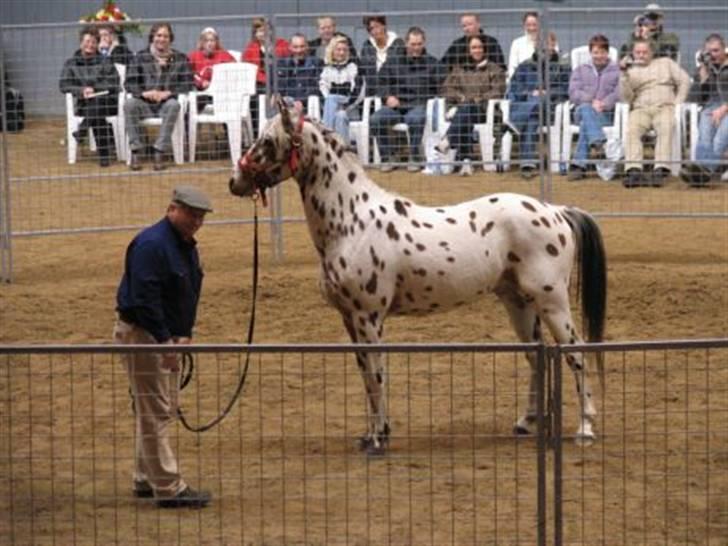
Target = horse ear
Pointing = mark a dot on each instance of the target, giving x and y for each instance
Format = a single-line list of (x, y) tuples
[(285, 115)]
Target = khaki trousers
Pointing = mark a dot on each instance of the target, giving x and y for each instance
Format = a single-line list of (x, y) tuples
[(155, 391), (641, 120)]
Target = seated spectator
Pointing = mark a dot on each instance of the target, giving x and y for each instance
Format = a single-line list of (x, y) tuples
[(94, 82), (209, 52), (528, 94), (522, 48), (155, 79), (652, 87), (408, 85), (341, 87), (710, 90), (112, 44), (458, 52), (594, 91), (299, 74), (327, 30), (381, 46), (469, 87), (649, 26)]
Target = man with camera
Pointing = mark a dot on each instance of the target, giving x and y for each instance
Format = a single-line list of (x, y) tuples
[(649, 26), (710, 91), (652, 87)]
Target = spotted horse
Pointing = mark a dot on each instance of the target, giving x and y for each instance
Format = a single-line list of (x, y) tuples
[(382, 254)]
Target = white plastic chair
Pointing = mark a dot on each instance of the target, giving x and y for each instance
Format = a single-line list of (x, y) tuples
[(231, 87), (236, 54), (570, 129), (117, 124), (359, 130)]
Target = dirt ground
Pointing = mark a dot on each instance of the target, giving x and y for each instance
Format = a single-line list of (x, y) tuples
[(284, 467)]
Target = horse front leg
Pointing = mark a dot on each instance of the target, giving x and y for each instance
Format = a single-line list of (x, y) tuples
[(362, 329)]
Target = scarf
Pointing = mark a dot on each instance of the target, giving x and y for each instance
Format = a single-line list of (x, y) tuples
[(162, 58)]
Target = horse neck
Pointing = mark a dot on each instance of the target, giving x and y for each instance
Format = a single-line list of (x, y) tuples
[(335, 190)]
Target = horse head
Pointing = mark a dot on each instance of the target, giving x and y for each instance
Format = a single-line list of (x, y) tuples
[(273, 157)]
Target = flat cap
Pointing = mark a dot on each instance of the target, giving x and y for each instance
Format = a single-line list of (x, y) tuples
[(653, 8), (192, 197)]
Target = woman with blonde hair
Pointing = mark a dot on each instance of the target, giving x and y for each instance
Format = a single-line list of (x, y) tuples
[(341, 86), (209, 52)]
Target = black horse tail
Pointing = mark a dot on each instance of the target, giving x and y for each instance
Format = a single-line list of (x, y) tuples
[(592, 261)]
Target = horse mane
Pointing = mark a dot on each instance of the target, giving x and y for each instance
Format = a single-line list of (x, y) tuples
[(330, 134)]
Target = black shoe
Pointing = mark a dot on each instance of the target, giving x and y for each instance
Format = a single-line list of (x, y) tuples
[(508, 127), (528, 172), (104, 161), (142, 490), (159, 160), (80, 135), (695, 175), (659, 176), (576, 173), (634, 179), (187, 498), (135, 164), (596, 150)]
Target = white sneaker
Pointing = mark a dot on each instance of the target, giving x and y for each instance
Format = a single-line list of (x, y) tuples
[(724, 177), (466, 169), (443, 146)]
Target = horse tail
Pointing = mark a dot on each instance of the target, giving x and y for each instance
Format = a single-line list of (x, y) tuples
[(592, 260)]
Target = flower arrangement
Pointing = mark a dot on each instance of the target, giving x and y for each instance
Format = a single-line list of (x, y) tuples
[(112, 13)]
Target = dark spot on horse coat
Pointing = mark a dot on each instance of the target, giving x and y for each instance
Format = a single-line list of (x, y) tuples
[(528, 206), (383, 209), (548, 288), (512, 257), (365, 197), (420, 247), (451, 221), (371, 285), (352, 176), (450, 259), (536, 223), (428, 225), (342, 262), (345, 292), (408, 237), (487, 228), (392, 232), (357, 304), (399, 208), (415, 223), (551, 249), (422, 272), (314, 137), (562, 239), (472, 227), (378, 223), (545, 222), (493, 199)]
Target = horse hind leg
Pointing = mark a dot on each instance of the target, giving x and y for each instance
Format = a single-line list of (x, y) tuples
[(527, 325), (557, 316), (363, 330)]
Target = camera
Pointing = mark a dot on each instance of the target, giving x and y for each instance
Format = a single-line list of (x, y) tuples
[(706, 58)]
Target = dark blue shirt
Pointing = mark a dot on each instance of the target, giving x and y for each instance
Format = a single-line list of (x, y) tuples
[(299, 78), (161, 284)]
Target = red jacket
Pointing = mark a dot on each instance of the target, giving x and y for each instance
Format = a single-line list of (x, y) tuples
[(201, 65), (252, 54)]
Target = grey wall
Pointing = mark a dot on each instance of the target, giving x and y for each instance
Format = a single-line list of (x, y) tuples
[(37, 36)]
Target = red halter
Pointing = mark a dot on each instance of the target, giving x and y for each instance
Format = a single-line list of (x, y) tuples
[(246, 163)]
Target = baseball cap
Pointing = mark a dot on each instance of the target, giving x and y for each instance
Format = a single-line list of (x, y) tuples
[(192, 197), (653, 9)]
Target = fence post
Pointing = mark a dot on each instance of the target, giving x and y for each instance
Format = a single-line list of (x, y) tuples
[(6, 248), (542, 440), (554, 363)]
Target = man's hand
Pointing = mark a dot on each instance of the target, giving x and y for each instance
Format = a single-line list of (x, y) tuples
[(392, 102), (87, 91), (718, 114), (170, 361)]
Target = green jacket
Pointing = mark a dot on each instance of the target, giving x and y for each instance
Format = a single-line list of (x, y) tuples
[(664, 44)]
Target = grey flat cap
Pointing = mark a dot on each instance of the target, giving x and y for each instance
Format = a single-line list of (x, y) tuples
[(192, 197)]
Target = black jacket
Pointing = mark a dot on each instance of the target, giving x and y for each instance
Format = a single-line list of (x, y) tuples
[(457, 53), (413, 80), (144, 74), (714, 89), (368, 65), (97, 72)]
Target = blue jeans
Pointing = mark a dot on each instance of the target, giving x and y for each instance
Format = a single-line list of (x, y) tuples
[(525, 117), (712, 140), (385, 118), (590, 130), (335, 116), (460, 132)]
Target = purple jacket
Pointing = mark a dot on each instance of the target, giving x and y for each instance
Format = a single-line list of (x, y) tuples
[(586, 85)]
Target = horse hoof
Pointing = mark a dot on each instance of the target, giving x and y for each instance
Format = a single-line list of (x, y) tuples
[(520, 430), (376, 451), (584, 439), (365, 442)]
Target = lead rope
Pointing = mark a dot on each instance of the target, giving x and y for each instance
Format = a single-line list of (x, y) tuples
[(187, 357)]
